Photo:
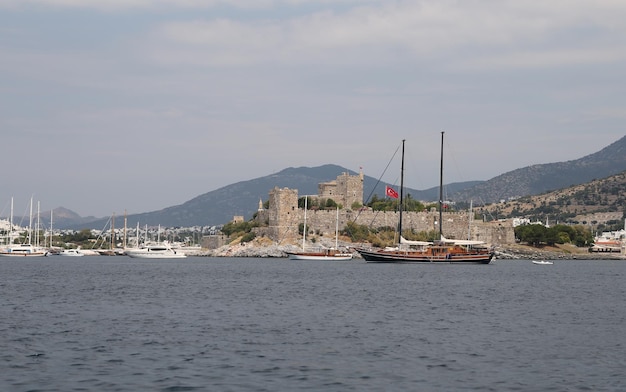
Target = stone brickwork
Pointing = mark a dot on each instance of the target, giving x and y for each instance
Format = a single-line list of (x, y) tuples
[(456, 224), (345, 190), (283, 213), (213, 241)]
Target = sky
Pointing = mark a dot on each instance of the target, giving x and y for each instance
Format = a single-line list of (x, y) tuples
[(113, 106)]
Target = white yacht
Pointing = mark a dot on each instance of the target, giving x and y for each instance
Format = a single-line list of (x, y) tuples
[(161, 250), (71, 253)]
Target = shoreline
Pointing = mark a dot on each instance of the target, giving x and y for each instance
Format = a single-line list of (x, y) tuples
[(506, 252), (559, 252)]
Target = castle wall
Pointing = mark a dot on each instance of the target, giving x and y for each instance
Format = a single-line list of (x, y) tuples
[(455, 224), (213, 241), (283, 216)]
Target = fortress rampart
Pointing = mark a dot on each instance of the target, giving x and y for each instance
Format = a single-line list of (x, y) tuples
[(283, 216)]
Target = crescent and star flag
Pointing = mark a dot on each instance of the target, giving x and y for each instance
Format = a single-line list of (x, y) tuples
[(391, 192)]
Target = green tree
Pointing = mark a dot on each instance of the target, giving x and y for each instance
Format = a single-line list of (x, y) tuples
[(356, 232), (248, 237), (531, 234), (232, 228)]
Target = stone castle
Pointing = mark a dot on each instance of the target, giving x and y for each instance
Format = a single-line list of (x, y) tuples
[(281, 219)]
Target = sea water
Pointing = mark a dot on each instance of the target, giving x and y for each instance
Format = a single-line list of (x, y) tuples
[(228, 324)]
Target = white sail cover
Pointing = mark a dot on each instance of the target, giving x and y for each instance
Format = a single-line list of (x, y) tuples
[(462, 242), (418, 243)]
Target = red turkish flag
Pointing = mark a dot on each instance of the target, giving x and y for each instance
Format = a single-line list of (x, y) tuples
[(391, 192)]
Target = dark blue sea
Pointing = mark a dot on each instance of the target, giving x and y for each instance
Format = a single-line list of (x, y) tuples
[(228, 324)]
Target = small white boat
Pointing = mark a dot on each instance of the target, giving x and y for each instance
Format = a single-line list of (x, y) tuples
[(542, 262), (161, 250), (71, 253), (324, 254)]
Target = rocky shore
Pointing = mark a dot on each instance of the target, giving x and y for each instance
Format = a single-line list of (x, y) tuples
[(509, 252), (561, 252)]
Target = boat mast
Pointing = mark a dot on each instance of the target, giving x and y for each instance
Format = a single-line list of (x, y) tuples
[(337, 229), (51, 211), (11, 222), (124, 241), (304, 227), (441, 191), (470, 218), (37, 224), (113, 231), (401, 194), (30, 223)]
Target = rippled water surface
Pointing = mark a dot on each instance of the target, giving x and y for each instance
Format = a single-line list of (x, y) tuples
[(115, 323)]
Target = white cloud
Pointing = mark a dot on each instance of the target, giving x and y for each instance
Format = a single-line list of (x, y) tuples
[(171, 4), (542, 59), (471, 34)]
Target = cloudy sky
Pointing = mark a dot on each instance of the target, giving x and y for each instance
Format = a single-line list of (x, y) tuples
[(138, 105)]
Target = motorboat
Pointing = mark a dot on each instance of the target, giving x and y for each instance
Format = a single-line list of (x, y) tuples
[(542, 262), (161, 250), (71, 253)]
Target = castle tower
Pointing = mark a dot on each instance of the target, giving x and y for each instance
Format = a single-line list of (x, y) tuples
[(283, 212), (345, 190), (350, 189)]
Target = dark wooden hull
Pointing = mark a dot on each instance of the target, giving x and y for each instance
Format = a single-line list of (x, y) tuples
[(398, 256)]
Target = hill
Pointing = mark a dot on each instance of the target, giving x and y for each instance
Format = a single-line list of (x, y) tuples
[(242, 198), (537, 179), (599, 202)]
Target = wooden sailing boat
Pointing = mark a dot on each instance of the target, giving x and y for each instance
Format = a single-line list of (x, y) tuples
[(441, 251), (332, 254)]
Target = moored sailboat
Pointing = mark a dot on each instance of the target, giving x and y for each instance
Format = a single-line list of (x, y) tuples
[(442, 251), (328, 254), (24, 249), (154, 250)]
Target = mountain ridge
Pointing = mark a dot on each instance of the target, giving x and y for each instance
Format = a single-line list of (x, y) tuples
[(242, 198), (536, 179)]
